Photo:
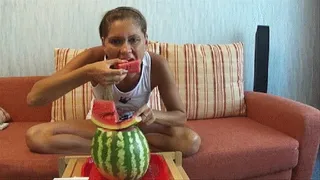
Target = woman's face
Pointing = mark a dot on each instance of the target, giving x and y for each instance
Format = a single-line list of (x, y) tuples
[(125, 40)]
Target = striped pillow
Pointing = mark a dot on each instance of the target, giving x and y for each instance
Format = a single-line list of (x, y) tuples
[(76, 103), (209, 77)]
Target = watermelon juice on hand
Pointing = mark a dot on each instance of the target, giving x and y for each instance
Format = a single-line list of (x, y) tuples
[(119, 149)]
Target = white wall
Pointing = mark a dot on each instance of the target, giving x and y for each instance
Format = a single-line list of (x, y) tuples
[(30, 29)]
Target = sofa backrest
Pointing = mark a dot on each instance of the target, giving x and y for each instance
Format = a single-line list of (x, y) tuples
[(209, 79), (13, 99)]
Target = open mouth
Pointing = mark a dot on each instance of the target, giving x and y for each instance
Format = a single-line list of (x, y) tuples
[(128, 58)]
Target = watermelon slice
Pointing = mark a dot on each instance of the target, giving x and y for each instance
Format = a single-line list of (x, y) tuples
[(105, 115), (131, 66)]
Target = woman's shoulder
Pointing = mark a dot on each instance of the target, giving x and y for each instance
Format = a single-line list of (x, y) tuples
[(159, 65), (97, 52), (157, 61)]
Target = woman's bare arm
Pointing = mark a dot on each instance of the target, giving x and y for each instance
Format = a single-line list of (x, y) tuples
[(163, 78), (74, 74)]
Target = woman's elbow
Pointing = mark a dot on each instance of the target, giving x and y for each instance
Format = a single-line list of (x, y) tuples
[(31, 100), (34, 100)]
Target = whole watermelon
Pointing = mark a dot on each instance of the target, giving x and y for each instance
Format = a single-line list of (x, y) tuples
[(120, 154)]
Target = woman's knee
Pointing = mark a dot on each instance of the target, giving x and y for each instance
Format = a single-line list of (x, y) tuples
[(35, 139), (192, 143)]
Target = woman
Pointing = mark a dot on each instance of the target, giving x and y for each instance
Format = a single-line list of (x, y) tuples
[(123, 32)]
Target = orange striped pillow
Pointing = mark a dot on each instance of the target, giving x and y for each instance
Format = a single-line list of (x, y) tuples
[(209, 77), (75, 104)]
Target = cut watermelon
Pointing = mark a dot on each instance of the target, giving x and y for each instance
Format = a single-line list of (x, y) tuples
[(105, 115), (131, 66)]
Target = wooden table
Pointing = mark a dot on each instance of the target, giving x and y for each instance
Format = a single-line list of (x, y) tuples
[(70, 166)]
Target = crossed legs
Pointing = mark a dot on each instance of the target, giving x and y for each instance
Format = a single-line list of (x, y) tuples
[(74, 137)]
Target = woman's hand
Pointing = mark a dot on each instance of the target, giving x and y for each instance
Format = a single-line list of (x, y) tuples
[(146, 115), (102, 73)]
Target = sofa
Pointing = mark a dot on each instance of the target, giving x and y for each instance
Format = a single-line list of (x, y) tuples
[(244, 134), (278, 139)]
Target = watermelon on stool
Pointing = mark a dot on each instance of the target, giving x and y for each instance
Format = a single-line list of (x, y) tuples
[(119, 149), (121, 154), (158, 169)]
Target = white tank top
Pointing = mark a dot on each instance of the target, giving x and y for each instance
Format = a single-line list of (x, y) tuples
[(132, 100)]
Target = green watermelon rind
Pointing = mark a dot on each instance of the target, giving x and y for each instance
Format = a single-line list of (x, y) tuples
[(120, 163), (117, 126)]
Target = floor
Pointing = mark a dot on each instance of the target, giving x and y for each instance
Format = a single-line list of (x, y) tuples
[(316, 172)]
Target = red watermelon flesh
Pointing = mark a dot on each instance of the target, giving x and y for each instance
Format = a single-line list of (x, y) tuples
[(131, 66), (105, 115)]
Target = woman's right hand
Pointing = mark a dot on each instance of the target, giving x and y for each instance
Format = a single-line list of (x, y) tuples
[(102, 73)]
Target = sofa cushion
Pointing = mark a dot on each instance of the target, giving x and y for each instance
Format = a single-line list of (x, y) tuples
[(209, 79), (17, 162), (14, 91), (239, 148)]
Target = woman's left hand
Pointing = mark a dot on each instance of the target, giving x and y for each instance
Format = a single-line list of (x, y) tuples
[(146, 115)]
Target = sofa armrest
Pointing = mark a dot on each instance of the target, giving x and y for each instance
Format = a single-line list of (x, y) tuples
[(13, 98), (298, 120)]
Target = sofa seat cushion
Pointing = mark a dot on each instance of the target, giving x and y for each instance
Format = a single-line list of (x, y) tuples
[(17, 162), (237, 148)]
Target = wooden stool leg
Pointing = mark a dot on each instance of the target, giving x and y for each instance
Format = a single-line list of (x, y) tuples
[(69, 169)]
